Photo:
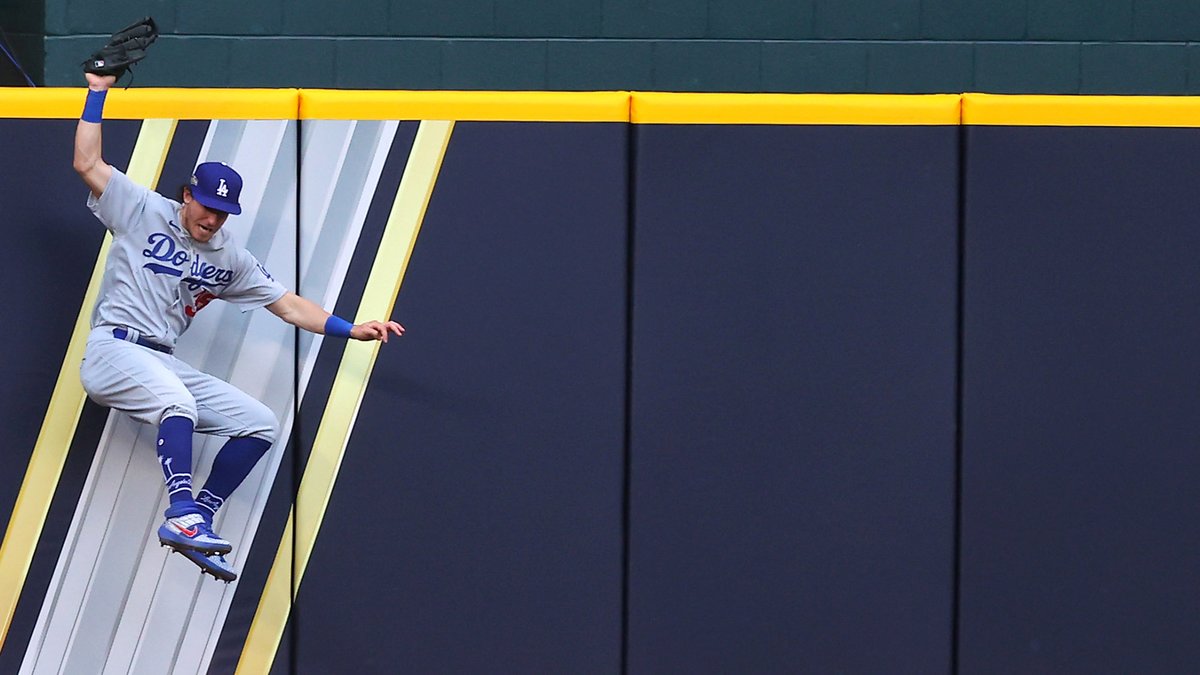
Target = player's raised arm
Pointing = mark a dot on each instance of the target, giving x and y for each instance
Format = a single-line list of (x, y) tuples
[(304, 313), (102, 70), (90, 166)]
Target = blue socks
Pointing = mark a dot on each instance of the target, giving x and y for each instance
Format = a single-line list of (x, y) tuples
[(175, 457), (233, 463)]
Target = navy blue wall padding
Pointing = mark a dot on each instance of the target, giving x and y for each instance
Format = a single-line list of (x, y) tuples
[(793, 403), (1080, 519), (51, 243), (476, 523), (92, 420), (793, 421)]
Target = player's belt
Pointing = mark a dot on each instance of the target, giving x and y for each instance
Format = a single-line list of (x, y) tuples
[(125, 334)]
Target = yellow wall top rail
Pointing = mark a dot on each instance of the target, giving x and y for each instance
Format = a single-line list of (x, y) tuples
[(613, 106), (1081, 111), (494, 106), (151, 103), (887, 109)]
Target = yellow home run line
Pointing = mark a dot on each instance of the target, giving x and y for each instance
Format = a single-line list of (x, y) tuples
[(349, 386), (66, 403)]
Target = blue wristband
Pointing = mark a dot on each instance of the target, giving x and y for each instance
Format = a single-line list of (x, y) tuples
[(337, 326), (93, 108)]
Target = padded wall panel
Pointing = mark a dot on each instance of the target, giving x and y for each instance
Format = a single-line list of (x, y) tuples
[(793, 398), (1080, 523), (476, 520), (52, 248), (85, 583)]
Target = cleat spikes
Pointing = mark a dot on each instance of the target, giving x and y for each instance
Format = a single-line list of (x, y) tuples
[(213, 565)]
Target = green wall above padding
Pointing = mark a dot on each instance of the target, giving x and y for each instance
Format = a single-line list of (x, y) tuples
[(870, 46)]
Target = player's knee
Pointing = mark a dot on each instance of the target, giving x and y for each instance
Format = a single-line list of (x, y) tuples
[(180, 405), (261, 423)]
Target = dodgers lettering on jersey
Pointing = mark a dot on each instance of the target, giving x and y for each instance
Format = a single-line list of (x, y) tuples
[(162, 247), (157, 277)]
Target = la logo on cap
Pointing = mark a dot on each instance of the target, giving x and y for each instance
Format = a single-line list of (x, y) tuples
[(217, 186)]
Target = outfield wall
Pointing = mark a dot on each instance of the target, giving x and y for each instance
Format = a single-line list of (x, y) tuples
[(693, 383)]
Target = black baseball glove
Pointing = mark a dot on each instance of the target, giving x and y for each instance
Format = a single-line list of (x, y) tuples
[(127, 47)]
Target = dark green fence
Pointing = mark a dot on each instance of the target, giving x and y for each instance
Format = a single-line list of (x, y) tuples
[(896, 46)]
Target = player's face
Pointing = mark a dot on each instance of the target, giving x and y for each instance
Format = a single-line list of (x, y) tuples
[(200, 221)]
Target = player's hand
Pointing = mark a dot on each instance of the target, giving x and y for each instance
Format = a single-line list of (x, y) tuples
[(376, 330), (100, 82)]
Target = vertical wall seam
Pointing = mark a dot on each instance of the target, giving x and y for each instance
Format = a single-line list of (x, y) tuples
[(630, 203), (296, 419), (960, 292)]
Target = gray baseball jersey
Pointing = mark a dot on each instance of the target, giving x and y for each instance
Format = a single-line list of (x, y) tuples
[(155, 281), (157, 277)]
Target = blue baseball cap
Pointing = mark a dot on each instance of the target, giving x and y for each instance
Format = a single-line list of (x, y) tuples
[(217, 186)]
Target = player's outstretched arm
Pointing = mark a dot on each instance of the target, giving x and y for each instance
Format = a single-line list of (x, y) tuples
[(304, 313), (90, 166)]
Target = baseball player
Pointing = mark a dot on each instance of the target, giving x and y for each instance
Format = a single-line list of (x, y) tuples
[(167, 262)]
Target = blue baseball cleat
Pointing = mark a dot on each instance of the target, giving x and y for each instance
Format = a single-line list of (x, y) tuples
[(190, 532), (212, 564)]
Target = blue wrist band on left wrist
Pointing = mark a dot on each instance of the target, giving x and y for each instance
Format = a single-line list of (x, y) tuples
[(337, 326), (93, 107)]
